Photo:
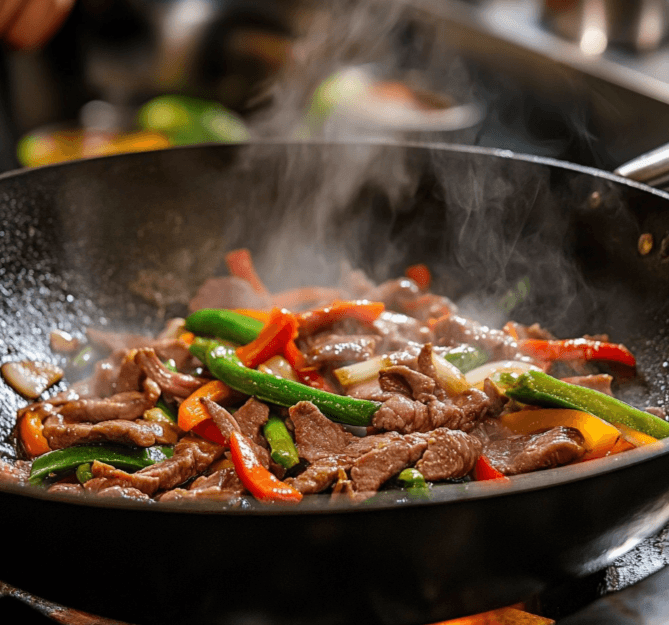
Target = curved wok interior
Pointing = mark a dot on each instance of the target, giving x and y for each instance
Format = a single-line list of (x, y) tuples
[(78, 239)]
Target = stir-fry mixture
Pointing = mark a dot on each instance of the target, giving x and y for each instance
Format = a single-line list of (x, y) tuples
[(345, 391)]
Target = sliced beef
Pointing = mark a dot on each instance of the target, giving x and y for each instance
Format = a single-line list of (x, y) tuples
[(61, 434), (316, 437), (542, 450), (369, 390), (224, 421), (320, 475), (398, 330), (69, 488), (461, 412), (599, 382), (170, 382), (251, 417), (371, 470), (335, 349), (128, 405), (400, 379), (450, 454), (395, 293), (16, 472), (657, 411), (229, 292), (454, 330), (192, 455), (222, 485), (123, 492), (429, 306)]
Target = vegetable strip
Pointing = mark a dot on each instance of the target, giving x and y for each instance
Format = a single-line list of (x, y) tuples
[(283, 449), (538, 388), (577, 349), (262, 484), (224, 324), (281, 327), (226, 367)]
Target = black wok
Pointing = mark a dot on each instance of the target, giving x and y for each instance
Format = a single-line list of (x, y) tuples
[(74, 237)]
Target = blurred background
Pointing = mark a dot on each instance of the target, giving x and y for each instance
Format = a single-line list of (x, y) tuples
[(581, 80)]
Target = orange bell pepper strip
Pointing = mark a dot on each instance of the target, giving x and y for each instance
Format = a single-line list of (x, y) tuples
[(420, 274), (30, 433), (636, 438), (260, 315), (193, 415), (362, 310), (280, 328), (577, 349), (502, 616), (483, 470), (260, 482), (600, 436), (240, 264)]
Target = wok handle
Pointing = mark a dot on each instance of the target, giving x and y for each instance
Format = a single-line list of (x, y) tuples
[(651, 168)]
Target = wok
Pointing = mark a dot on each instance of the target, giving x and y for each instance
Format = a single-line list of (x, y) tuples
[(79, 241)]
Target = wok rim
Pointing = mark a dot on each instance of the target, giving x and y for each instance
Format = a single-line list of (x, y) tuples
[(503, 153), (443, 493)]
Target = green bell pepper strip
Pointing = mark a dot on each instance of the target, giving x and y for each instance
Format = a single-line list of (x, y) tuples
[(283, 450), (224, 324), (466, 357), (69, 459), (538, 388), (224, 365)]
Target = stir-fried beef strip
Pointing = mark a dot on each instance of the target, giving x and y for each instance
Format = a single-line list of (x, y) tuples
[(316, 436), (450, 454), (170, 382), (334, 349), (191, 457), (454, 330), (401, 414), (368, 390), (531, 452), (398, 331), (222, 485), (127, 405), (599, 382), (60, 434), (405, 381)]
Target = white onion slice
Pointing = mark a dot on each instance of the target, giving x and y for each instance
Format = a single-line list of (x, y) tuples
[(63, 342), (29, 378), (362, 371), (477, 376), (279, 366), (450, 378)]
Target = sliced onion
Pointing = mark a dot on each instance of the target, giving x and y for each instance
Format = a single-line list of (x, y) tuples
[(450, 378), (279, 366), (31, 379), (63, 342), (362, 371), (477, 376)]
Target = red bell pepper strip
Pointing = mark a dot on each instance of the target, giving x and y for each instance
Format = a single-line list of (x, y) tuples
[(281, 327), (260, 482), (362, 310), (420, 274), (307, 375), (483, 470), (577, 349), (240, 264)]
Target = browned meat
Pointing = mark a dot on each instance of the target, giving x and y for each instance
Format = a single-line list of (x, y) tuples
[(124, 492), (316, 436), (657, 411), (530, 452), (229, 292), (405, 381), (222, 485), (61, 434), (335, 349), (224, 421), (318, 476), (369, 390), (398, 330), (599, 382), (251, 417), (191, 456), (71, 488), (377, 466), (170, 382), (450, 454), (454, 330), (535, 331), (461, 412), (395, 293), (128, 405), (18, 471), (429, 306)]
